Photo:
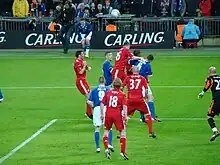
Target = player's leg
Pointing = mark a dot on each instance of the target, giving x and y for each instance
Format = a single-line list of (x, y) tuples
[(67, 39), (83, 42), (107, 125), (110, 135), (88, 107), (87, 44), (214, 110), (97, 123), (1, 96)]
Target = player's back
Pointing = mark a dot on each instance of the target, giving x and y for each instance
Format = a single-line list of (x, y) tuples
[(114, 100), (136, 85), (144, 69), (106, 68), (97, 94), (215, 87), (122, 58), (78, 65)]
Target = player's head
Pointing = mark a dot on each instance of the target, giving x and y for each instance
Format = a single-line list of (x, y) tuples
[(212, 70), (137, 53), (150, 58), (108, 56), (117, 83), (79, 54), (82, 21), (101, 80), (135, 69), (127, 45)]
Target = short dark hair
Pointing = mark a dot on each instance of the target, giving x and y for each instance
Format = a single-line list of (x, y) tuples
[(101, 80), (82, 19), (86, 8), (117, 83), (137, 52), (150, 57), (78, 53), (127, 43), (107, 53)]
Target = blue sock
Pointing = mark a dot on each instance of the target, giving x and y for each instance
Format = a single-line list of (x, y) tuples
[(141, 115), (84, 48), (1, 96), (110, 137), (152, 108), (97, 139)]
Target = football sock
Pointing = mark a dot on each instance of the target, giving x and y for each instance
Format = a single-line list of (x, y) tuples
[(110, 137), (88, 110), (141, 115), (97, 139), (84, 48), (212, 124), (123, 144), (148, 120), (152, 108), (1, 96), (105, 142)]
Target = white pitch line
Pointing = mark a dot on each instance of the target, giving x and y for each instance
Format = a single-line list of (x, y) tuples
[(74, 87), (12, 152), (163, 119)]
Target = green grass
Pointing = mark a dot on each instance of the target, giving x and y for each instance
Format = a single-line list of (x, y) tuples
[(70, 142)]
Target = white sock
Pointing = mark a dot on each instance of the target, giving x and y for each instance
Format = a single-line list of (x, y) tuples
[(214, 129)]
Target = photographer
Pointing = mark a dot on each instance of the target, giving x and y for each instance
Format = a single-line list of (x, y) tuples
[(67, 20)]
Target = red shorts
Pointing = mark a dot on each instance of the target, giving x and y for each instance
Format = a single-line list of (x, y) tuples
[(116, 119), (137, 104), (116, 73), (82, 86)]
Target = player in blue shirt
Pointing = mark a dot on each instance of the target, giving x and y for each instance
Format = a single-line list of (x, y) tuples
[(1, 96), (95, 99), (107, 69), (84, 32)]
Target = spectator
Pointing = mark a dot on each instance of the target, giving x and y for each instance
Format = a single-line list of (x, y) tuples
[(92, 10), (20, 8), (42, 8), (178, 8), (116, 4), (80, 12), (164, 8), (85, 3), (34, 8), (205, 7), (107, 9), (191, 33), (86, 14), (99, 10)]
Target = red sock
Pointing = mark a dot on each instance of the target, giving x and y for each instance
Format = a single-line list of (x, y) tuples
[(123, 144), (149, 123), (105, 142), (88, 110)]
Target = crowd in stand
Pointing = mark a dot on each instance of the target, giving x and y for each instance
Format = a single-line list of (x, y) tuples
[(155, 8)]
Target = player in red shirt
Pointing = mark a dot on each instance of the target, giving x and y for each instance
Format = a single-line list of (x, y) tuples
[(137, 90), (116, 113), (80, 68), (129, 66), (121, 60)]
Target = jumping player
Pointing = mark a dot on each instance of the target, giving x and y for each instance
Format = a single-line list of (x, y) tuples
[(107, 68), (84, 32), (1, 96), (132, 62), (95, 99), (116, 113), (122, 57), (137, 90), (213, 83), (80, 68)]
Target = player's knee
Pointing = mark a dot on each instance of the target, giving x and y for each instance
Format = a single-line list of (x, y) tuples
[(87, 42), (106, 133), (208, 117), (97, 129), (123, 134), (150, 98)]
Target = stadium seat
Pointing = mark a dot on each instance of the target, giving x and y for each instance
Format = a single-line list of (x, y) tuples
[(111, 28)]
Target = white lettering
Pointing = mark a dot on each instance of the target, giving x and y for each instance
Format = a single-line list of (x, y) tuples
[(157, 38), (127, 38), (48, 39), (148, 38), (133, 41), (2, 39), (141, 38), (107, 38), (118, 40), (27, 40), (39, 40)]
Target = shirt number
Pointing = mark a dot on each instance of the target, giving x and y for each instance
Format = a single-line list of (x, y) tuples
[(134, 84), (218, 84), (101, 95), (113, 101), (118, 56)]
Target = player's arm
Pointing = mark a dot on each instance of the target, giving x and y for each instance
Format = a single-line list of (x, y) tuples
[(145, 85), (150, 73), (102, 106), (90, 100), (208, 84), (81, 69), (124, 83), (125, 109)]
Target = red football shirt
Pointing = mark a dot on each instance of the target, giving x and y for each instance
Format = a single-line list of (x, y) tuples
[(78, 65), (123, 55), (114, 100), (136, 85)]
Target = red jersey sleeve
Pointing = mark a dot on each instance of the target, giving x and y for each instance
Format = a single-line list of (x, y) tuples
[(129, 54), (104, 100), (124, 102), (125, 82), (78, 66)]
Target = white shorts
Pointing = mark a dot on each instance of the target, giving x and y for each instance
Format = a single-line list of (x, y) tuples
[(88, 37), (149, 91), (97, 116)]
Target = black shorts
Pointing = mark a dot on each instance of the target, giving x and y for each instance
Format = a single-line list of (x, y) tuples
[(214, 108)]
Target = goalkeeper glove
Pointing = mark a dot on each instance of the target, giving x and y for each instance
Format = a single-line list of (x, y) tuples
[(201, 94)]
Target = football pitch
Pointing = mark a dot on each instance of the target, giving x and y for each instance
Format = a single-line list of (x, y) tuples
[(42, 117)]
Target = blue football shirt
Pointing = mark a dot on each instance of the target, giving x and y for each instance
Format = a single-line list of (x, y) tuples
[(107, 69)]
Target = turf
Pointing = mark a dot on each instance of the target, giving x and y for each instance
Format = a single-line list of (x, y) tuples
[(178, 78)]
